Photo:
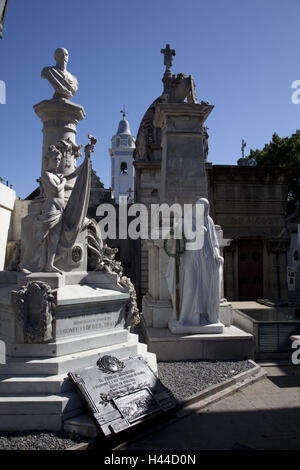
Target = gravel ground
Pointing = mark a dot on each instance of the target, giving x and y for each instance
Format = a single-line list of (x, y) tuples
[(183, 378), (36, 440), (186, 378)]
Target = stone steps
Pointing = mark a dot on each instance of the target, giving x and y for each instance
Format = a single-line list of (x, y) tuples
[(69, 362), (66, 346), (38, 412), (52, 384), (40, 404), (32, 397)]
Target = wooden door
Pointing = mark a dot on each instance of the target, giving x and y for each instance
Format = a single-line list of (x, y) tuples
[(250, 269)]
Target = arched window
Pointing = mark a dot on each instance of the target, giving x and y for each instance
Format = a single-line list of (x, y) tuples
[(123, 169)]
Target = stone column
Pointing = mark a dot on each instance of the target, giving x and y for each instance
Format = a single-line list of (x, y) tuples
[(183, 177), (60, 117), (157, 306)]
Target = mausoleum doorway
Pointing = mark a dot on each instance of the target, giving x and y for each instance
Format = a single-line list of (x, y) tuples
[(250, 269)]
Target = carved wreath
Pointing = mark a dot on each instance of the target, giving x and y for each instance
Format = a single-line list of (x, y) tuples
[(40, 292)]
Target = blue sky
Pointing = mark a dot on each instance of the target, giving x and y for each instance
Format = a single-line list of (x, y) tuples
[(243, 55)]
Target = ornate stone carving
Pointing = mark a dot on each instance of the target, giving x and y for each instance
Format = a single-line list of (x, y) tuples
[(110, 364), (205, 142), (76, 253), (102, 258), (33, 304), (70, 153), (179, 88)]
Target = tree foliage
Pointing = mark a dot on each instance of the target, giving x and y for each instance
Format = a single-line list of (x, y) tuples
[(282, 152)]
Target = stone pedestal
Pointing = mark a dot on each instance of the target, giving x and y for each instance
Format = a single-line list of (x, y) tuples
[(88, 321), (183, 178), (60, 117), (177, 329)]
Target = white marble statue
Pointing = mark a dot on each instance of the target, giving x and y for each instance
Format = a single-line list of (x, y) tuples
[(64, 83), (200, 274), (58, 224)]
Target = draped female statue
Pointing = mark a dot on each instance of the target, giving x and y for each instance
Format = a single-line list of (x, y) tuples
[(199, 276)]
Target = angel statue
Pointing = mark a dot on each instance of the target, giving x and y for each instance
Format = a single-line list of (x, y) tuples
[(58, 224)]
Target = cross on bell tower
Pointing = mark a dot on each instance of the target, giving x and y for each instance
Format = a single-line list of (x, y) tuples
[(124, 112)]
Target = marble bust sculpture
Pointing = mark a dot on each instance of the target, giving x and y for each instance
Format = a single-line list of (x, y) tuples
[(64, 83)]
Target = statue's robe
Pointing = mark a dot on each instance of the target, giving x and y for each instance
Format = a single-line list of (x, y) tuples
[(200, 274), (63, 82)]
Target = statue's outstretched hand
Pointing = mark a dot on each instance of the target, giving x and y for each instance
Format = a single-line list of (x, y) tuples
[(89, 148)]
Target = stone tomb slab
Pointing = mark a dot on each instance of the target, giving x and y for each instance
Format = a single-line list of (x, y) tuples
[(121, 395)]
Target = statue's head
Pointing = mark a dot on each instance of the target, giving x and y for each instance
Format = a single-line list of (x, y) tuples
[(205, 203), (61, 57), (53, 158)]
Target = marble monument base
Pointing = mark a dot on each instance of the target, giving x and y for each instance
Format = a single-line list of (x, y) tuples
[(88, 322), (231, 344), (157, 313), (178, 329)]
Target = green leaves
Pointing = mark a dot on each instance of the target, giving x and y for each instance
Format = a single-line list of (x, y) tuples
[(282, 152)]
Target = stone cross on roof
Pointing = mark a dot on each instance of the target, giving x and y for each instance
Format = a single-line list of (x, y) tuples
[(168, 55), (243, 147)]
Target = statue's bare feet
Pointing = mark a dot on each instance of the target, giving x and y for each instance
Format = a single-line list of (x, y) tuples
[(52, 269)]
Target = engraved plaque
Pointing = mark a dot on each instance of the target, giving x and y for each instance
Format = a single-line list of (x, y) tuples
[(121, 394)]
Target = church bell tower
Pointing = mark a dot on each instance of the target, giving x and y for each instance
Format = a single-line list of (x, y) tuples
[(121, 151)]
